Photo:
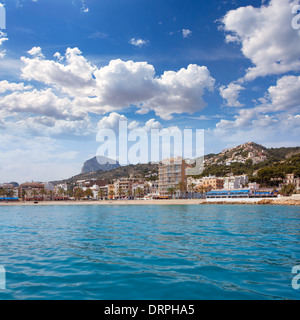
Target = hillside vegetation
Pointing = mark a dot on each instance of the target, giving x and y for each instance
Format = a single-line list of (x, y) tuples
[(267, 166)]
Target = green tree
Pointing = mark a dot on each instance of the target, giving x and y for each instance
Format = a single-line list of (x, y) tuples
[(24, 193), (100, 194), (111, 194), (78, 193), (288, 190), (89, 193), (139, 192), (120, 192), (171, 191), (191, 188), (181, 187)]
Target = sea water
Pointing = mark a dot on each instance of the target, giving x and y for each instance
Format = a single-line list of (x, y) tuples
[(149, 252)]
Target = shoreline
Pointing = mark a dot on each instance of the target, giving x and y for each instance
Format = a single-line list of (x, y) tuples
[(292, 201)]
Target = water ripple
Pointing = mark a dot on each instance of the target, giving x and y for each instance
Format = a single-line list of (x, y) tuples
[(160, 252)]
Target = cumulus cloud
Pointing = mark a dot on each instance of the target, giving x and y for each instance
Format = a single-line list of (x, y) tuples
[(231, 94), (181, 91), (121, 84), (113, 119), (71, 89), (40, 102), (277, 114), (74, 78), (3, 38), (54, 128), (186, 33), (266, 37), (250, 125), (286, 94), (36, 52), (9, 86), (138, 42)]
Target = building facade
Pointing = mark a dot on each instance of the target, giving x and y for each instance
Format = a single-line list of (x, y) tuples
[(212, 183), (172, 174), (291, 179), (32, 191)]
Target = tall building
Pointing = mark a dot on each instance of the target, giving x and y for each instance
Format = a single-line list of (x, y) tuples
[(123, 188), (172, 173)]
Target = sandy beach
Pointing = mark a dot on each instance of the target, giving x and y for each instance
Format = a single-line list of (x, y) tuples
[(294, 200), (110, 202)]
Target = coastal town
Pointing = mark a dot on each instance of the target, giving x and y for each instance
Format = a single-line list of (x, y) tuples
[(170, 182)]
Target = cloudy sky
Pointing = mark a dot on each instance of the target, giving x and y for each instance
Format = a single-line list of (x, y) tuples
[(70, 67)]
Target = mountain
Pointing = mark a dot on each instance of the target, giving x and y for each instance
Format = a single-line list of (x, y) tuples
[(253, 152), (147, 171), (252, 159), (246, 158), (99, 163)]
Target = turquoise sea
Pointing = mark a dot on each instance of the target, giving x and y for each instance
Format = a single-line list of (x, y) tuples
[(149, 252)]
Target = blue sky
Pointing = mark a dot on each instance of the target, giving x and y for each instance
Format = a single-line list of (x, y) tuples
[(70, 67)]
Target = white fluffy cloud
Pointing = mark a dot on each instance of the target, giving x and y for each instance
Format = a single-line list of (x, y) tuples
[(36, 52), (113, 119), (286, 94), (186, 33), (74, 78), (266, 37), (138, 42), (9, 86), (3, 38), (43, 102), (121, 84), (277, 114), (231, 94), (181, 91)]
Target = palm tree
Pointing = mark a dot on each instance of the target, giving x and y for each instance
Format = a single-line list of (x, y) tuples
[(192, 187), (34, 193), (129, 193), (111, 194), (181, 187), (24, 193), (100, 194), (9, 193), (61, 191), (202, 190), (171, 191), (42, 192), (139, 192), (2, 192), (120, 192), (78, 193), (89, 193), (70, 192)]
